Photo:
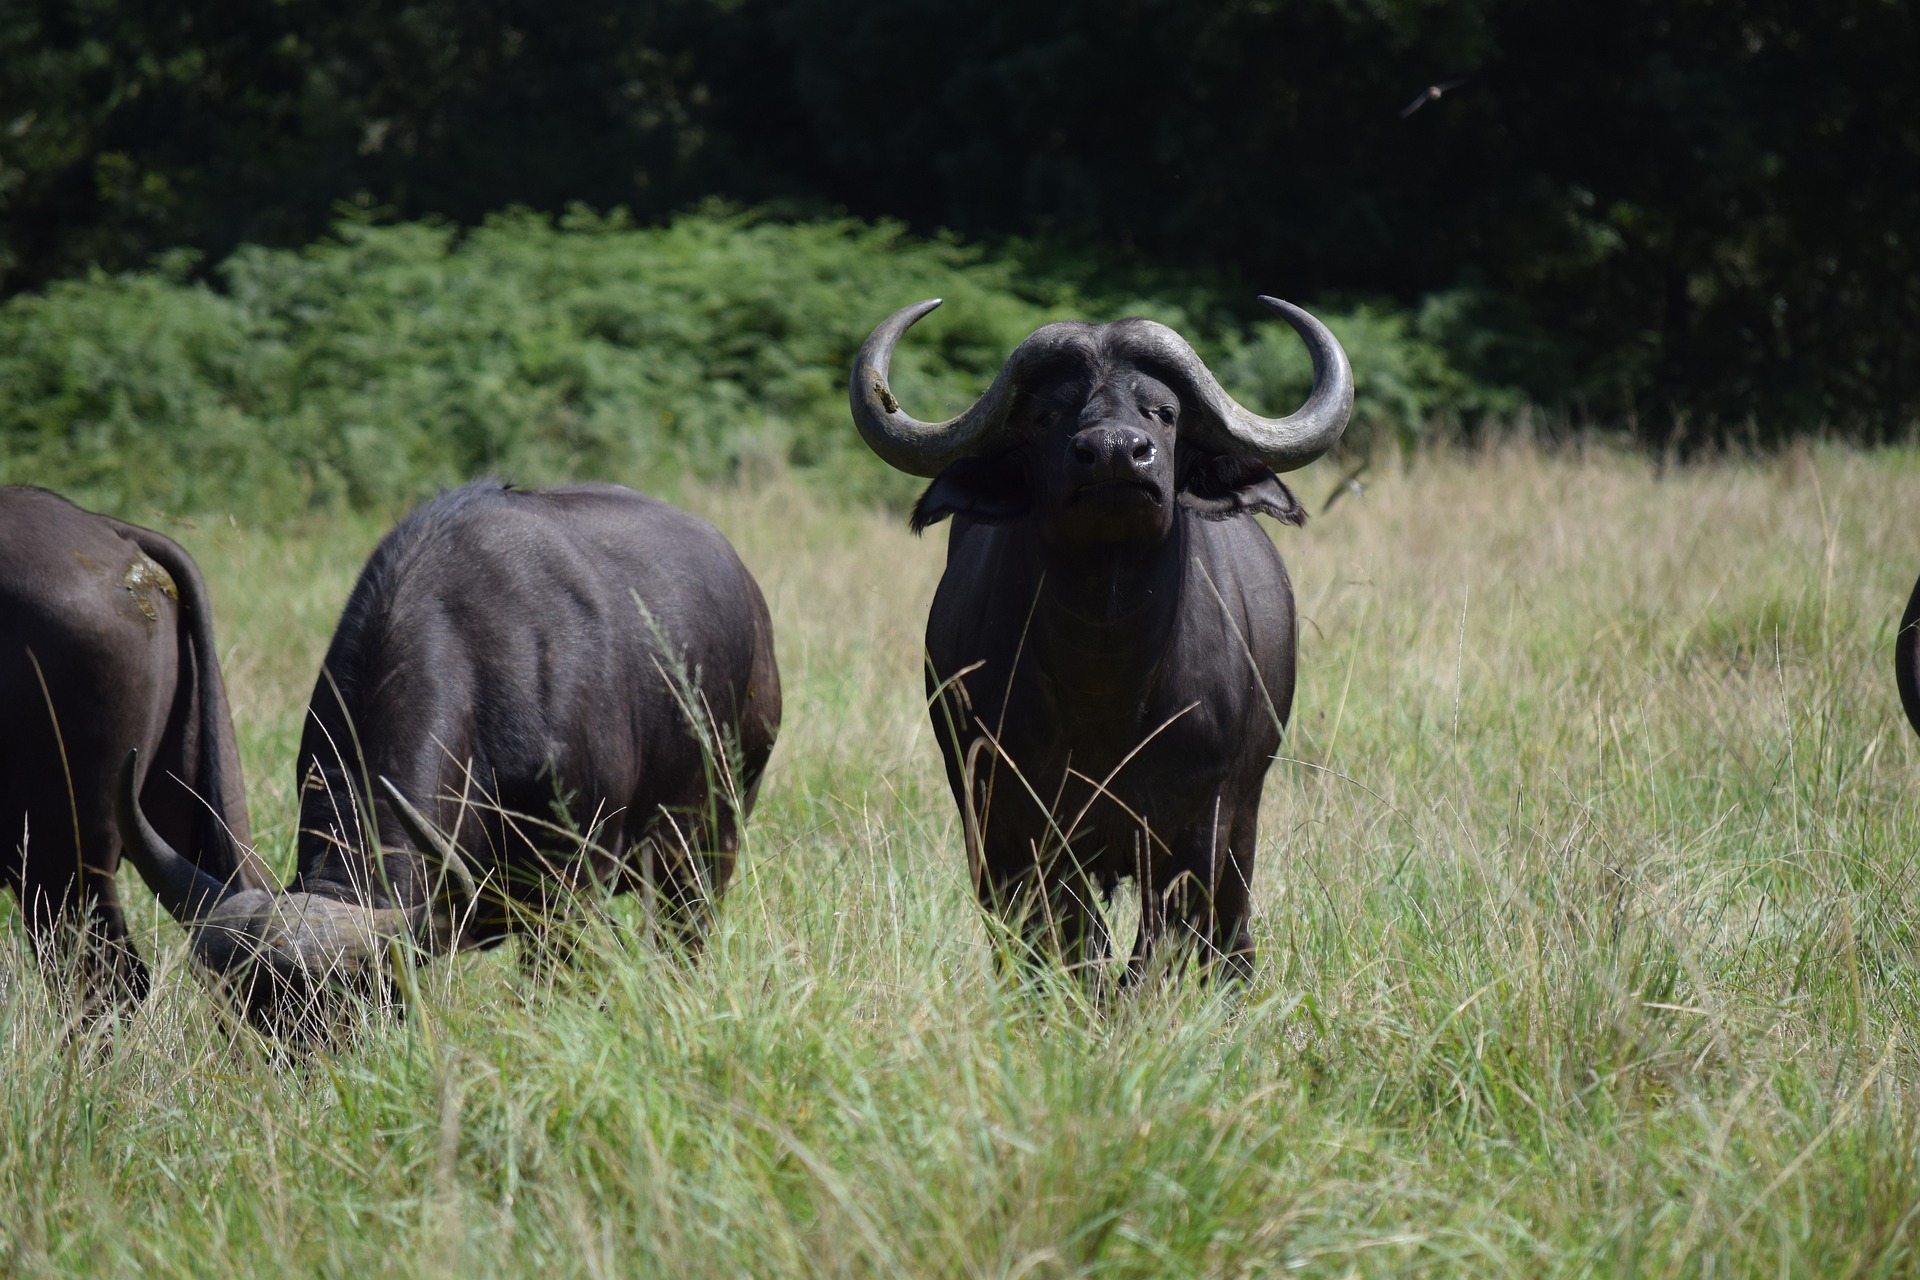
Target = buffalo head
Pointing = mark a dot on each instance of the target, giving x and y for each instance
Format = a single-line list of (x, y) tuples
[(1103, 429), (282, 957)]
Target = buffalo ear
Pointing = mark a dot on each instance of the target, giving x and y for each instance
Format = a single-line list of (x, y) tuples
[(1221, 486), (989, 490)]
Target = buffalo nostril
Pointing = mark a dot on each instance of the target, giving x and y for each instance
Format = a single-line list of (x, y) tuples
[(1083, 452), (1143, 451)]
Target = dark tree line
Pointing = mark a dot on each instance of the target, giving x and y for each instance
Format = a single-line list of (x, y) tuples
[(1700, 213)]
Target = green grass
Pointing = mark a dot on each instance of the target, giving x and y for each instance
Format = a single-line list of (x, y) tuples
[(1585, 909)]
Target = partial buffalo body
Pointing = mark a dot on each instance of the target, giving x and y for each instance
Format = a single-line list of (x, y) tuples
[(1906, 659), (547, 691), (1111, 649), (106, 645)]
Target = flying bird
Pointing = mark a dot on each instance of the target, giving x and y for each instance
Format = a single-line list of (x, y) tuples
[(1431, 94), (1349, 483)]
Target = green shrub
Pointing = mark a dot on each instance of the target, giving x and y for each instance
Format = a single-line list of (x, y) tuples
[(368, 368)]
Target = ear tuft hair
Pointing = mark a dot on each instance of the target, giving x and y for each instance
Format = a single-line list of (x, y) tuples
[(988, 490), (1221, 487)]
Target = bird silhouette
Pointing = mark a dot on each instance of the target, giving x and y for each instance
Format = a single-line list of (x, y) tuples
[(1430, 94), (1349, 483)]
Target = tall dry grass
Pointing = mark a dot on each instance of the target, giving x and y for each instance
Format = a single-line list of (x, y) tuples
[(1584, 912)]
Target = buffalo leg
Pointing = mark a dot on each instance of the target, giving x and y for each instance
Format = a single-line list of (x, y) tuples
[(1055, 908), (558, 898), (74, 921), (690, 851), (1204, 894), (690, 861), (1072, 926), (685, 882)]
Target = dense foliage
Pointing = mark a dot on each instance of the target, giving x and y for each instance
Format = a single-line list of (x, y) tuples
[(1701, 213), (384, 360)]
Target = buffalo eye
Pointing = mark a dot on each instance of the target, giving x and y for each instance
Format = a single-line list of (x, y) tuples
[(1166, 413), (1047, 417)]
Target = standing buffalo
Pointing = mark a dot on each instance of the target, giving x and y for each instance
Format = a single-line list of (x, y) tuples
[(577, 684), (106, 645), (1111, 648)]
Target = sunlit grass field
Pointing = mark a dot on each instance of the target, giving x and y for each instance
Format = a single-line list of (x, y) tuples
[(1586, 911)]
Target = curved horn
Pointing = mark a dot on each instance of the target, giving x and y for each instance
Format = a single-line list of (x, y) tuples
[(1289, 443), (188, 893), (904, 442), (433, 844)]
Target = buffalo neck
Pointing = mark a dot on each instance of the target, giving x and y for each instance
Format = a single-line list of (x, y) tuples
[(1103, 618)]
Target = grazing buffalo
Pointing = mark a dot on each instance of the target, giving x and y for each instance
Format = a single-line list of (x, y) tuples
[(106, 645), (1906, 659), (1111, 649), (577, 686)]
